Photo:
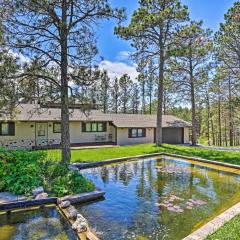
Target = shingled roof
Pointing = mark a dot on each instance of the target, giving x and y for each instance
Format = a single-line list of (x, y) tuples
[(33, 112)]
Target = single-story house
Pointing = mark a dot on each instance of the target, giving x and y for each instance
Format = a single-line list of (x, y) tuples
[(36, 126)]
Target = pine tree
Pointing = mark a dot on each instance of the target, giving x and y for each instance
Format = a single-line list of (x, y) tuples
[(150, 31)]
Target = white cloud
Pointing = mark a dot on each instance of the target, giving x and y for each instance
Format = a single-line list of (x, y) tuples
[(117, 69), (123, 56), (21, 58)]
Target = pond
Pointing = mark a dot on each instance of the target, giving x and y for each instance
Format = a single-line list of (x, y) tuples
[(35, 224), (158, 198)]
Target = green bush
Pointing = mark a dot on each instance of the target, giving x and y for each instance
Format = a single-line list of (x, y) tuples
[(21, 171), (72, 183)]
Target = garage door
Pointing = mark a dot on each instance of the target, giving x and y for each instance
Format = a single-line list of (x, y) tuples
[(173, 135)]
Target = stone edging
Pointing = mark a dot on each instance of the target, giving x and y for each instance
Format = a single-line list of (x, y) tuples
[(133, 158), (115, 160), (78, 198), (26, 203), (214, 224), (84, 197), (203, 160)]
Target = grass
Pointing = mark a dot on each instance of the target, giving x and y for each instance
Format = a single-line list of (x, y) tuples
[(93, 155), (230, 231)]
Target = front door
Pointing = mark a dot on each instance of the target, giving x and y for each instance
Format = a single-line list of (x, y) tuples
[(41, 134)]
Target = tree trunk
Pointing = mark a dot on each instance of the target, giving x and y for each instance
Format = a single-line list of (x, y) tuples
[(213, 133), (164, 103), (150, 101), (116, 104), (219, 115), (65, 136), (160, 99), (225, 127), (194, 128), (208, 119), (143, 98), (230, 113)]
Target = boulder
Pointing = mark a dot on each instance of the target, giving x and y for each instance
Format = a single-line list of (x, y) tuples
[(80, 225), (72, 212), (65, 204), (41, 196), (37, 191)]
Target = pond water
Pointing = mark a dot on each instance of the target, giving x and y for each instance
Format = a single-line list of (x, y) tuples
[(157, 198), (35, 224)]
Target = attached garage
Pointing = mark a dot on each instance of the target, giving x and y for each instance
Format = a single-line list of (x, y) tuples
[(173, 135)]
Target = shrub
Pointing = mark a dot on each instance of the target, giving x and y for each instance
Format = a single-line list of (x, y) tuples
[(21, 171), (71, 183)]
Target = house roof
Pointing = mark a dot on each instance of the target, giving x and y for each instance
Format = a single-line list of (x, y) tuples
[(33, 112), (145, 120)]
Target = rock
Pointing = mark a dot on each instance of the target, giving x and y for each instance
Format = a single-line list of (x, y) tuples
[(201, 202), (37, 191), (80, 225), (72, 213), (190, 204), (180, 210), (171, 209), (41, 196), (65, 204), (176, 207), (73, 168)]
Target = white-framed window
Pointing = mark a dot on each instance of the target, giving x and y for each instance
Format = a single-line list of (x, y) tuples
[(56, 127), (94, 127)]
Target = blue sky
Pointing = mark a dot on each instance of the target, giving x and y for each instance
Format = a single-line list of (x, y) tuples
[(114, 50)]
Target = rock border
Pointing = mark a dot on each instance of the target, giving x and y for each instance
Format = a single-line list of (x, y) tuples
[(214, 224), (78, 198), (135, 158), (27, 203)]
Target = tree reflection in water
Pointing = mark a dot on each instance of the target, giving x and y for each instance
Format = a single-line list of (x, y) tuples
[(135, 189)]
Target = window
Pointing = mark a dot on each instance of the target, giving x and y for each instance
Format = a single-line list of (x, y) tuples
[(7, 129), (94, 127), (136, 132), (56, 127)]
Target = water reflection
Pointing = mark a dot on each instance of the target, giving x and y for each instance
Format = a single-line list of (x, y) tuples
[(136, 190), (44, 223)]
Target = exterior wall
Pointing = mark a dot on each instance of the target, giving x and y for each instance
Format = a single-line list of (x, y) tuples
[(186, 135), (123, 139), (53, 138), (24, 136), (77, 136)]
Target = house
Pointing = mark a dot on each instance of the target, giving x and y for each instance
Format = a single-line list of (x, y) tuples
[(36, 126)]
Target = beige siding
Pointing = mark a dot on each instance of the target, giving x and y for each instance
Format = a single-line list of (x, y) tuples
[(77, 136), (54, 138), (186, 135), (123, 139), (24, 136)]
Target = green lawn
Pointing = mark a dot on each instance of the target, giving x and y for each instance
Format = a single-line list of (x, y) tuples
[(230, 231), (92, 155)]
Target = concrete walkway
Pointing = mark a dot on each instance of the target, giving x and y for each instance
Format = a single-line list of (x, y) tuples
[(231, 149), (93, 147)]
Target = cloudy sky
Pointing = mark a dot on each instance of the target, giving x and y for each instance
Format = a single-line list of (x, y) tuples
[(115, 51)]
